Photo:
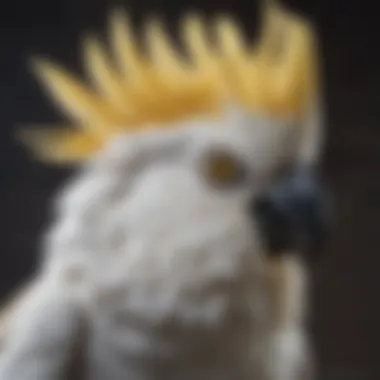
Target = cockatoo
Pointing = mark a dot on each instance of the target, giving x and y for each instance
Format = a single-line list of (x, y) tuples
[(177, 251)]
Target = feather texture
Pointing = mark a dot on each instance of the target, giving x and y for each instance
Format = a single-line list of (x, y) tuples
[(137, 91)]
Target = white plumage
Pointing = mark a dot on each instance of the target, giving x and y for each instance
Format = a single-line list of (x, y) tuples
[(151, 270), (169, 272)]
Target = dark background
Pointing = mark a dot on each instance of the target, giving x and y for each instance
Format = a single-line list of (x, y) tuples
[(346, 316)]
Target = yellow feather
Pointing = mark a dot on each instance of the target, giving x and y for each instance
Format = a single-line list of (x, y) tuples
[(162, 54), (102, 73), (143, 79), (79, 103), (137, 91), (271, 33), (202, 55), (235, 59), (62, 146), (292, 73), (262, 57), (307, 58), (128, 57), (230, 39), (196, 42)]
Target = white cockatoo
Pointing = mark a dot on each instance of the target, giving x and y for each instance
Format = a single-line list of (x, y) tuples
[(177, 249)]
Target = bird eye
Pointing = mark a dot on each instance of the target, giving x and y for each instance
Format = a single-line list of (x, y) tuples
[(224, 169)]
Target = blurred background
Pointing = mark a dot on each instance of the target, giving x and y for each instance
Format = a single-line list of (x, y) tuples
[(345, 322)]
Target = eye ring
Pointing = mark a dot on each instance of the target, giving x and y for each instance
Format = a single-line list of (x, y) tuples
[(223, 169)]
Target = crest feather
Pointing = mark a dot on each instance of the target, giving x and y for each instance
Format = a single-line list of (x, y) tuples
[(279, 76), (104, 76), (198, 45), (61, 145), (162, 54)]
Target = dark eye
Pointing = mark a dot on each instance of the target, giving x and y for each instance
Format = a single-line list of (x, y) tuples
[(224, 170)]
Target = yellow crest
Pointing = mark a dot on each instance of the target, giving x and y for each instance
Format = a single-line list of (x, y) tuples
[(138, 91)]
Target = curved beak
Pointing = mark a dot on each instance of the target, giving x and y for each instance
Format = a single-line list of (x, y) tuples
[(295, 215)]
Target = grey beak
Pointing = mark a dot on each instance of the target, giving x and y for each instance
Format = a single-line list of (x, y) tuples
[(295, 215)]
